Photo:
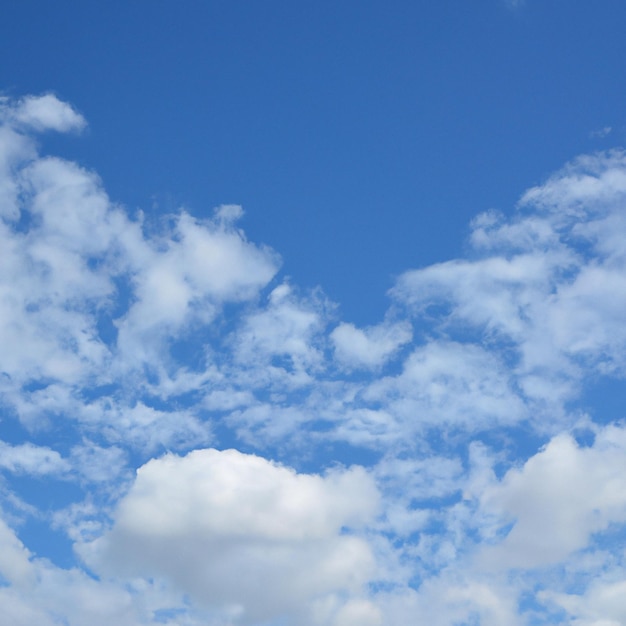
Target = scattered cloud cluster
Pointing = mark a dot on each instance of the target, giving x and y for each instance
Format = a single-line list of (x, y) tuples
[(228, 451)]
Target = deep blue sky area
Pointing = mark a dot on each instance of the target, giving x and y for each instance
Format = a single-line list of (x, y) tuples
[(360, 137)]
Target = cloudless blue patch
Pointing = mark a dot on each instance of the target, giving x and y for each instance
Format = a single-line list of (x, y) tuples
[(12, 431), (46, 493), (163, 616), (36, 385), (47, 543), (604, 398), (438, 503)]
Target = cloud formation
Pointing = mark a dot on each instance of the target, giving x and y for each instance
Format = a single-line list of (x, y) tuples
[(446, 465), (240, 533)]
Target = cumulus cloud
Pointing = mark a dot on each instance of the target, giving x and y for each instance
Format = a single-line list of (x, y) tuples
[(559, 498), (38, 592), (241, 533), (45, 113), (185, 275)]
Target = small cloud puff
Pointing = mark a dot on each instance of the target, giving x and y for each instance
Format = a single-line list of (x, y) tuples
[(46, 113), (369, 347)]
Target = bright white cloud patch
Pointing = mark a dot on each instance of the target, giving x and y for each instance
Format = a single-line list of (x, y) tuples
[(559, 498), (46, 113), (485, 480), (241, 533)]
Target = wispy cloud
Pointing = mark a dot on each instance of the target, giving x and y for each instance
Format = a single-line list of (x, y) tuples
[(601, 132)]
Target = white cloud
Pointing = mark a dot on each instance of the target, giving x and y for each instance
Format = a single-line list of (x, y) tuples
[(374, 428), (602, 604), (560, 497), (15, 148), (267, 423), (90, 297), (30, 459), (40, 593), (146, 428), (410, 483), (369, 347), (185, 276), (447, 384), (359, 613), (14, 557), (546, 289), (279, 344), (449, 600), (46, 113), (97, 463), (235, 530), (589, 185)]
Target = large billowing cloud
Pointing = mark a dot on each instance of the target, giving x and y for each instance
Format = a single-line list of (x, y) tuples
[(242, 534), (492, 489)]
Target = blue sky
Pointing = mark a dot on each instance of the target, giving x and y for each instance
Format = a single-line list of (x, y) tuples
[(312, 313)]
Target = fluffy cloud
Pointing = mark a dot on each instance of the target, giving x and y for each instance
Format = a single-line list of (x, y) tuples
[(242, 534), (559, 498), (601, 605), (45, 113), (369, 347), (35, 591), (31, 459), (89, 296), (186, 275), (279, 344)]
